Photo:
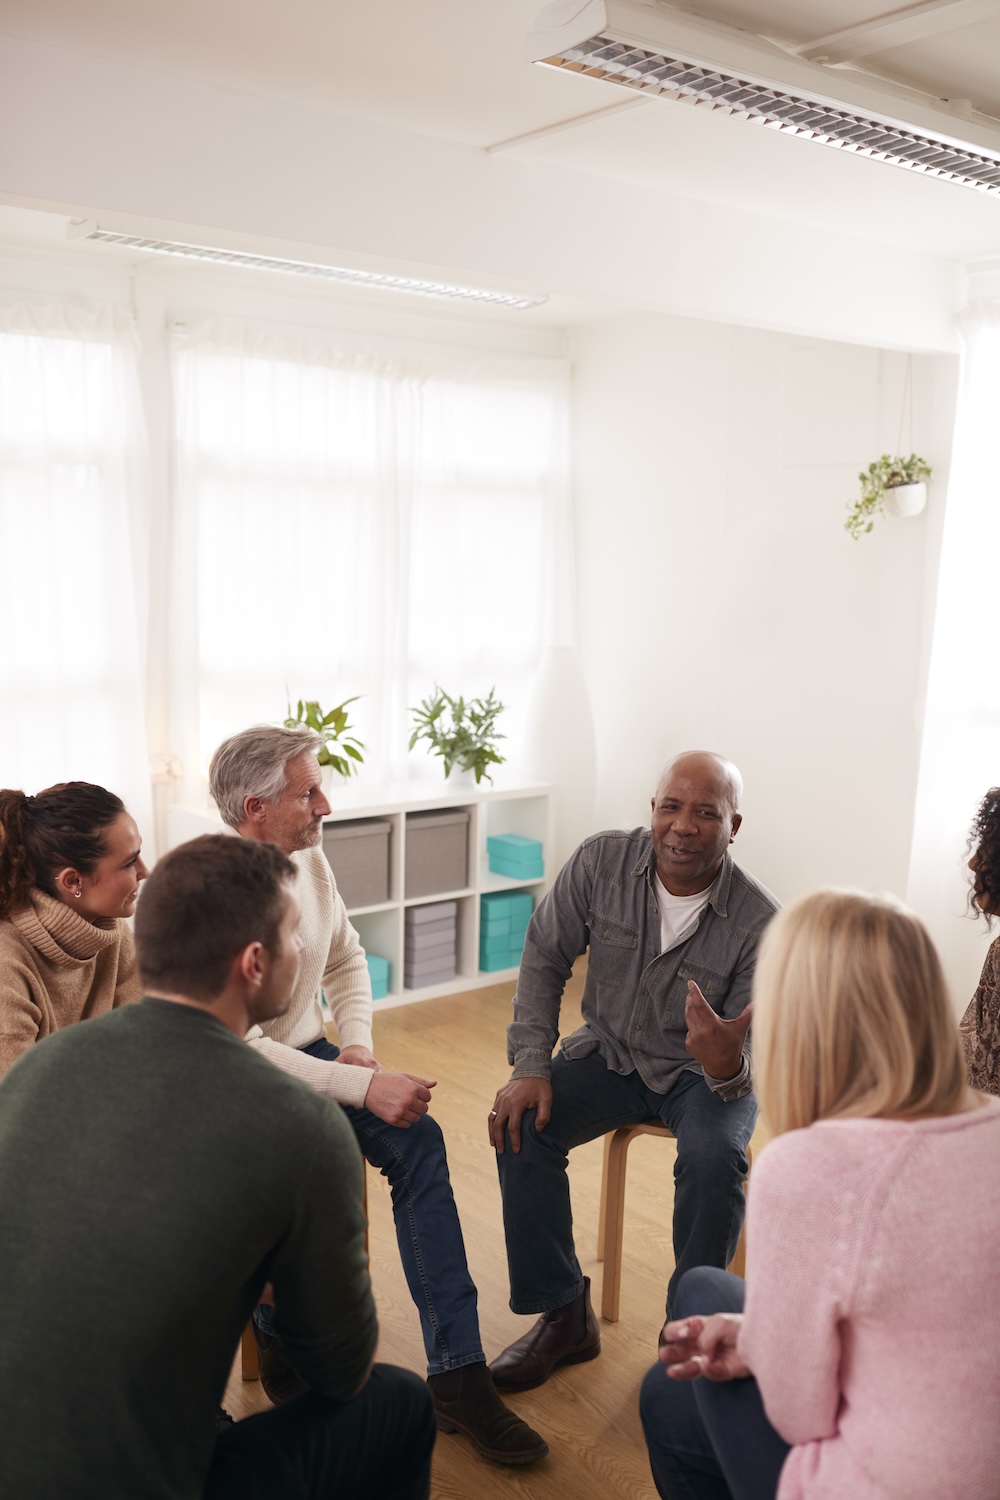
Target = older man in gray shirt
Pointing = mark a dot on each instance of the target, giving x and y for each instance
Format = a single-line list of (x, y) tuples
[(672, 926)]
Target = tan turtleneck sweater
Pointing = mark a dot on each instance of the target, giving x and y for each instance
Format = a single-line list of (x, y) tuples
[(57, 968)]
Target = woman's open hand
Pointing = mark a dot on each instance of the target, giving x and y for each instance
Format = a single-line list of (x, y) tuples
[(703, 1346)]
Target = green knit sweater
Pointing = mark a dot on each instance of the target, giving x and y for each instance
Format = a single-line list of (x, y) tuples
[(154, 1173)]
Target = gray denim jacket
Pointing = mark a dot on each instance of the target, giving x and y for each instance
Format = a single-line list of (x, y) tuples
[(633, 1001)]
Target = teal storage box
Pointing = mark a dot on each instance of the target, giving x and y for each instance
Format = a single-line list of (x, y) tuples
[(511, 846), (516, 869), (378, 973), (493, 947), (491, 959), (491, 965), (517, 906), (517, 857), (495, 926)]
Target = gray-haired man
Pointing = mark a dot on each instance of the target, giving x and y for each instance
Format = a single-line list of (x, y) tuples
[(266, 783)]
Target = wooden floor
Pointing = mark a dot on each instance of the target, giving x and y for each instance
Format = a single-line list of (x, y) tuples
[(588, 1413)]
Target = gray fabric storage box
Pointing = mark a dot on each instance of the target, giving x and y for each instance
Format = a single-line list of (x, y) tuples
[(433, 935), (443, 951), (437, 849), (423, 984), (434, 911), (358, 852), (435, 971), (416, 932)]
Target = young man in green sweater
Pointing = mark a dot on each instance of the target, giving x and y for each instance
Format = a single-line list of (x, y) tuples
[(155, 1175)]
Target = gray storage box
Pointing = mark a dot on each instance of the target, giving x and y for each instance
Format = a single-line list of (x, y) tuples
[(358, 852), (437, 850), (443, 950), (421, 975), (435, 911), (432, 935)]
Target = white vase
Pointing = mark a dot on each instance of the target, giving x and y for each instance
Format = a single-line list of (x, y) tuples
[(459, 777), (332, 781), (906, 499), (560, 747)]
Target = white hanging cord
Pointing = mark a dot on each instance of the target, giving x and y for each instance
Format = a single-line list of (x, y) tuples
[(907, 402)]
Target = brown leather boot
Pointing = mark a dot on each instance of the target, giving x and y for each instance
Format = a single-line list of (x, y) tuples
[(565, 1336), (465, 1400), (279, 1377)]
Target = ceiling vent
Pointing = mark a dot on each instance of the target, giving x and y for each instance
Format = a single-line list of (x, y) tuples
[(348, 275), (895, 130)]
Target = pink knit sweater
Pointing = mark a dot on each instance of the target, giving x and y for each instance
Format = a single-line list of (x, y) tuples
[(873, 1306)]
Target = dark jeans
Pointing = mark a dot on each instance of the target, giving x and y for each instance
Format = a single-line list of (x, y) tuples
[(588, 1100), (428, 1231), (376, 1447), (706, 1440)]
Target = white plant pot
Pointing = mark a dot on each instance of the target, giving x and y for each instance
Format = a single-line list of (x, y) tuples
[(906, 499), (459, 777)]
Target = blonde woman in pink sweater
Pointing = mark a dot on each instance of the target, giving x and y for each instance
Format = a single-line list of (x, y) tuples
[(866, 1363)]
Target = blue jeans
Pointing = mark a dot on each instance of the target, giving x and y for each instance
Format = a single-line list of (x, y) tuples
[(709, 1441), (376, 1447), (428, 1232), (588, 1100)]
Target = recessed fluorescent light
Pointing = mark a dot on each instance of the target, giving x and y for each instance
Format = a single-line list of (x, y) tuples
[(378, 280), (615, 53)]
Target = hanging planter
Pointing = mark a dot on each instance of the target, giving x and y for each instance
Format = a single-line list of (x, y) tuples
[(905, 499), (890, 484)]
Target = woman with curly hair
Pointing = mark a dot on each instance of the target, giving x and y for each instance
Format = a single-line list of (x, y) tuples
[(70, 867), (980, 1025)]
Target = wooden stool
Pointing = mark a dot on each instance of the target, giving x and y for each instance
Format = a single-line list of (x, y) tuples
[(612, 1216), (249, 1362)]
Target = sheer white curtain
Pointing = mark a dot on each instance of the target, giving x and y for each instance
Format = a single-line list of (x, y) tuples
[(72, 539), (960, 751), (348, 524), (491, 569)]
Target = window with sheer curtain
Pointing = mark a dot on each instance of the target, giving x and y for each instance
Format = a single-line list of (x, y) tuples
[(349, 524), (71, 528)]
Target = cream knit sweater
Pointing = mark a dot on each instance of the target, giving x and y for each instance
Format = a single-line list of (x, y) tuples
[(57, 968), (332, 959), (872, 1316)]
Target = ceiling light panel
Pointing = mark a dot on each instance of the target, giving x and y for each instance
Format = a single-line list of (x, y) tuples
[(649, 69), (348, 275)]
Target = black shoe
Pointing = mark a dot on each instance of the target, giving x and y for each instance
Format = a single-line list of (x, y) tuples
[(565, 1336), (279, 1377), (465, 1400), (223, 1420)]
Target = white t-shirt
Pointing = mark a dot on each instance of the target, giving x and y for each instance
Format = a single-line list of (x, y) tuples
[(679, 915)]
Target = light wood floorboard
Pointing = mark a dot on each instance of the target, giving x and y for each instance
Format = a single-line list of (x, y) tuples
[(588, 1413)]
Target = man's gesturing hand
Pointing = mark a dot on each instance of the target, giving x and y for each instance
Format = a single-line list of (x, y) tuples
[(703, 1346), (715, 1043), (399, 1098), (509, 1105)]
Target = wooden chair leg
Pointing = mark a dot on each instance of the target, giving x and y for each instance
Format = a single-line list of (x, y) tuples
[(616, 1148), (248, 1354), (602, 1213)]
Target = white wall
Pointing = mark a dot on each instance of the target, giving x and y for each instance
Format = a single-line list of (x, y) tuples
[(723, 606)]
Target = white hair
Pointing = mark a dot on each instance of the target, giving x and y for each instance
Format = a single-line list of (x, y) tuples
[(254, 764)]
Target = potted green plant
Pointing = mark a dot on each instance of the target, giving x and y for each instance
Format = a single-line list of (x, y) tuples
[(893, 484), (341, 751), (462, 731)]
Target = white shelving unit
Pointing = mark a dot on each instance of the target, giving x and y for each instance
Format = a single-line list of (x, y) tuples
[(527, 810)]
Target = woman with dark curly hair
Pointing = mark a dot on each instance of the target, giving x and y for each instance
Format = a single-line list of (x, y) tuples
[(980, 1025), (70, 867)]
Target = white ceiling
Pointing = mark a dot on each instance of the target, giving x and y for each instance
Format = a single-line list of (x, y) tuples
[(454, 69)]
